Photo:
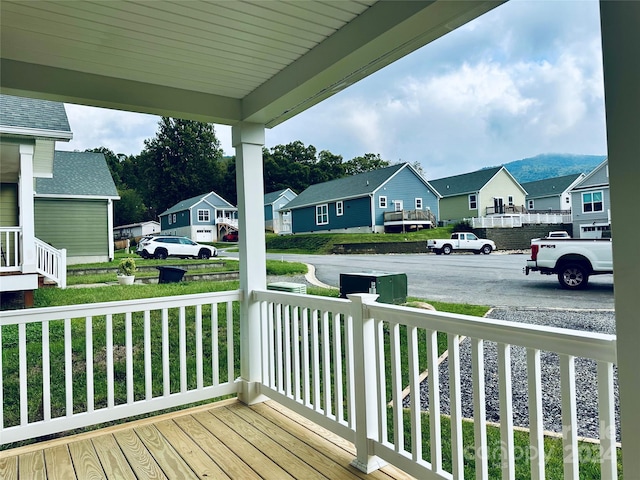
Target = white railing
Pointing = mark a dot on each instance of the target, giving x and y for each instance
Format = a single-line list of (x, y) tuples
[(51, 263), (232, 222), (340, 364), (517, 220), (10, 249), (74, 366)]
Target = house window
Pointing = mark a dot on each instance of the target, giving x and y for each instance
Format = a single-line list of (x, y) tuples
[(174, 218), (382, 202), (203, 215), (592, 202), (169, 219), (473, 201), (530, 204), (322, 214), (339, 208), (418, 204), (397, 205), (510, 200)]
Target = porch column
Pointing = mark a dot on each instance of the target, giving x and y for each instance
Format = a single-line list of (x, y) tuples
[(248, 139), (25, 204), (620, 42), (111, 249)]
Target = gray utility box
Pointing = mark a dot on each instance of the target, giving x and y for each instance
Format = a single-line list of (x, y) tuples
[(391, 287)]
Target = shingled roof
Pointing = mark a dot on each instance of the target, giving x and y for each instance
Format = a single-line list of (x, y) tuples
[(273, 196), (21, 115), (212, 198), (78, 174), (354, 186), (465, 183), (550, 186)]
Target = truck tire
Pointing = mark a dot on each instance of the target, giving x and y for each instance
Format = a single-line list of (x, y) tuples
[(573, 276), (486, 249), (447, 249)]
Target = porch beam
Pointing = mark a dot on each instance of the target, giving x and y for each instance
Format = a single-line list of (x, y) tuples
[(248, 139), (620, 40)]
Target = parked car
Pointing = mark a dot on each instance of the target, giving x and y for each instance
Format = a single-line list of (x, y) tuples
[(558, 234), (160, 246), (461, 241), (230, 237)]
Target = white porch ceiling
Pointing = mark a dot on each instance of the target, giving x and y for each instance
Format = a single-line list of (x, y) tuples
[(217, 61)]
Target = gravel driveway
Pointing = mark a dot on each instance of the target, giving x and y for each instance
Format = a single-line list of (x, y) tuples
[(586, 373)]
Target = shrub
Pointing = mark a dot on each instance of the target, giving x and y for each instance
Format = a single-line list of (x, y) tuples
[(127, 266), (463, 226)]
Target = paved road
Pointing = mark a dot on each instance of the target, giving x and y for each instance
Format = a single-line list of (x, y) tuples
[(495, 280)]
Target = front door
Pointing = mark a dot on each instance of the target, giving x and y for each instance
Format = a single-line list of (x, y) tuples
[(498, 205)]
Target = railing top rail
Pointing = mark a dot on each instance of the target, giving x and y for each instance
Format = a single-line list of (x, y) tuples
[(597, 346), (304, 301), (32, 315), (10, 229)]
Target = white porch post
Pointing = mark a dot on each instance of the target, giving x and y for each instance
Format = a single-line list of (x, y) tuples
[(620, 43), (27, 215), (110, 229), (248, 139)]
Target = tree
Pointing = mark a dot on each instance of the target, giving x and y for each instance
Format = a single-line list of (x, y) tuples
[(113, 162), (182, 161), (366, 163), (130, 208)]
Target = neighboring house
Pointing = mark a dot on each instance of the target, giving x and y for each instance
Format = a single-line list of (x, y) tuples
[(74, 208), (551, 194), (395, 196), (136, 230), (205, 218), (490, 191), (591, 214), (29, 129), (276, 219)]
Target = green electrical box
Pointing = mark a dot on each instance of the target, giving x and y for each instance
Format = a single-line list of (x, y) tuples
[(391, 287)]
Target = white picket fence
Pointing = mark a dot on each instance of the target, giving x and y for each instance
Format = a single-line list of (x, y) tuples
[(517, 220)]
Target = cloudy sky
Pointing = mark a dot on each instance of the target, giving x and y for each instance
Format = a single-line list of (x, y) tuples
[(522, 80)]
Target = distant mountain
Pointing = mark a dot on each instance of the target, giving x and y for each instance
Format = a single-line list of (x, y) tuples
[(550, 165)]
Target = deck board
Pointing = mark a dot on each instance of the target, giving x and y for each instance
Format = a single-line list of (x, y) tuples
[(225, 440)]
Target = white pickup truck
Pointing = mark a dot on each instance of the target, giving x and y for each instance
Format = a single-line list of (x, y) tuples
[(461, 241), (573, 260)]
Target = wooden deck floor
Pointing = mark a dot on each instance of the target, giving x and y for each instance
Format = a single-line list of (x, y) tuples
[(218, 441)]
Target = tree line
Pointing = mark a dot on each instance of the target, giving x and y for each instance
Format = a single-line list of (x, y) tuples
[(185, 160)]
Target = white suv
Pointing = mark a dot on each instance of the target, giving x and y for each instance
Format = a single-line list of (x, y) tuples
[(171, 246)]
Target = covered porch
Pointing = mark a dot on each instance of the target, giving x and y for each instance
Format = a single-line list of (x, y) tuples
[(338, 363)]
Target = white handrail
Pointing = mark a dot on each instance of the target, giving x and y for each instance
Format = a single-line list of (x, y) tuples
[(51, 262)]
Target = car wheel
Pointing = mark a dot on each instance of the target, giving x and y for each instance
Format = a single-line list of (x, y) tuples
[(161, 254), (447, 249), (573, 276), (204, 254), (486, 249)]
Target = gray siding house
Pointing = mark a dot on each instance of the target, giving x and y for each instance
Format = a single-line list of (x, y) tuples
[(551, 195), (591, 198), (394, 197), (204, 218), (277, 219)]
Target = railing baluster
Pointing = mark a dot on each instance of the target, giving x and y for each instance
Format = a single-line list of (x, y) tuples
[(215, 346), (108, 325), (22, 362), (128, 342), (287, 350), (434, 401), (536, 427), (506, 411), (414, 388), (349, 369), (296, 353), (89, 362), (46, 373), (279, 354), (382, 381), (326, 364), (306, 367), (455, 403), (166, 379), (148, 376), (315, 359), (68, 368), (230, 344), (337, 368), (271, 325), (182, 345), (479, 410), (396, 386), (199, 372), (569, 424), (606, 407)]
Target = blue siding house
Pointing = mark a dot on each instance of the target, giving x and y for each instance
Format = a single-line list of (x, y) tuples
[(591, 213), (205, 218), (391, 198), (277, 219)]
